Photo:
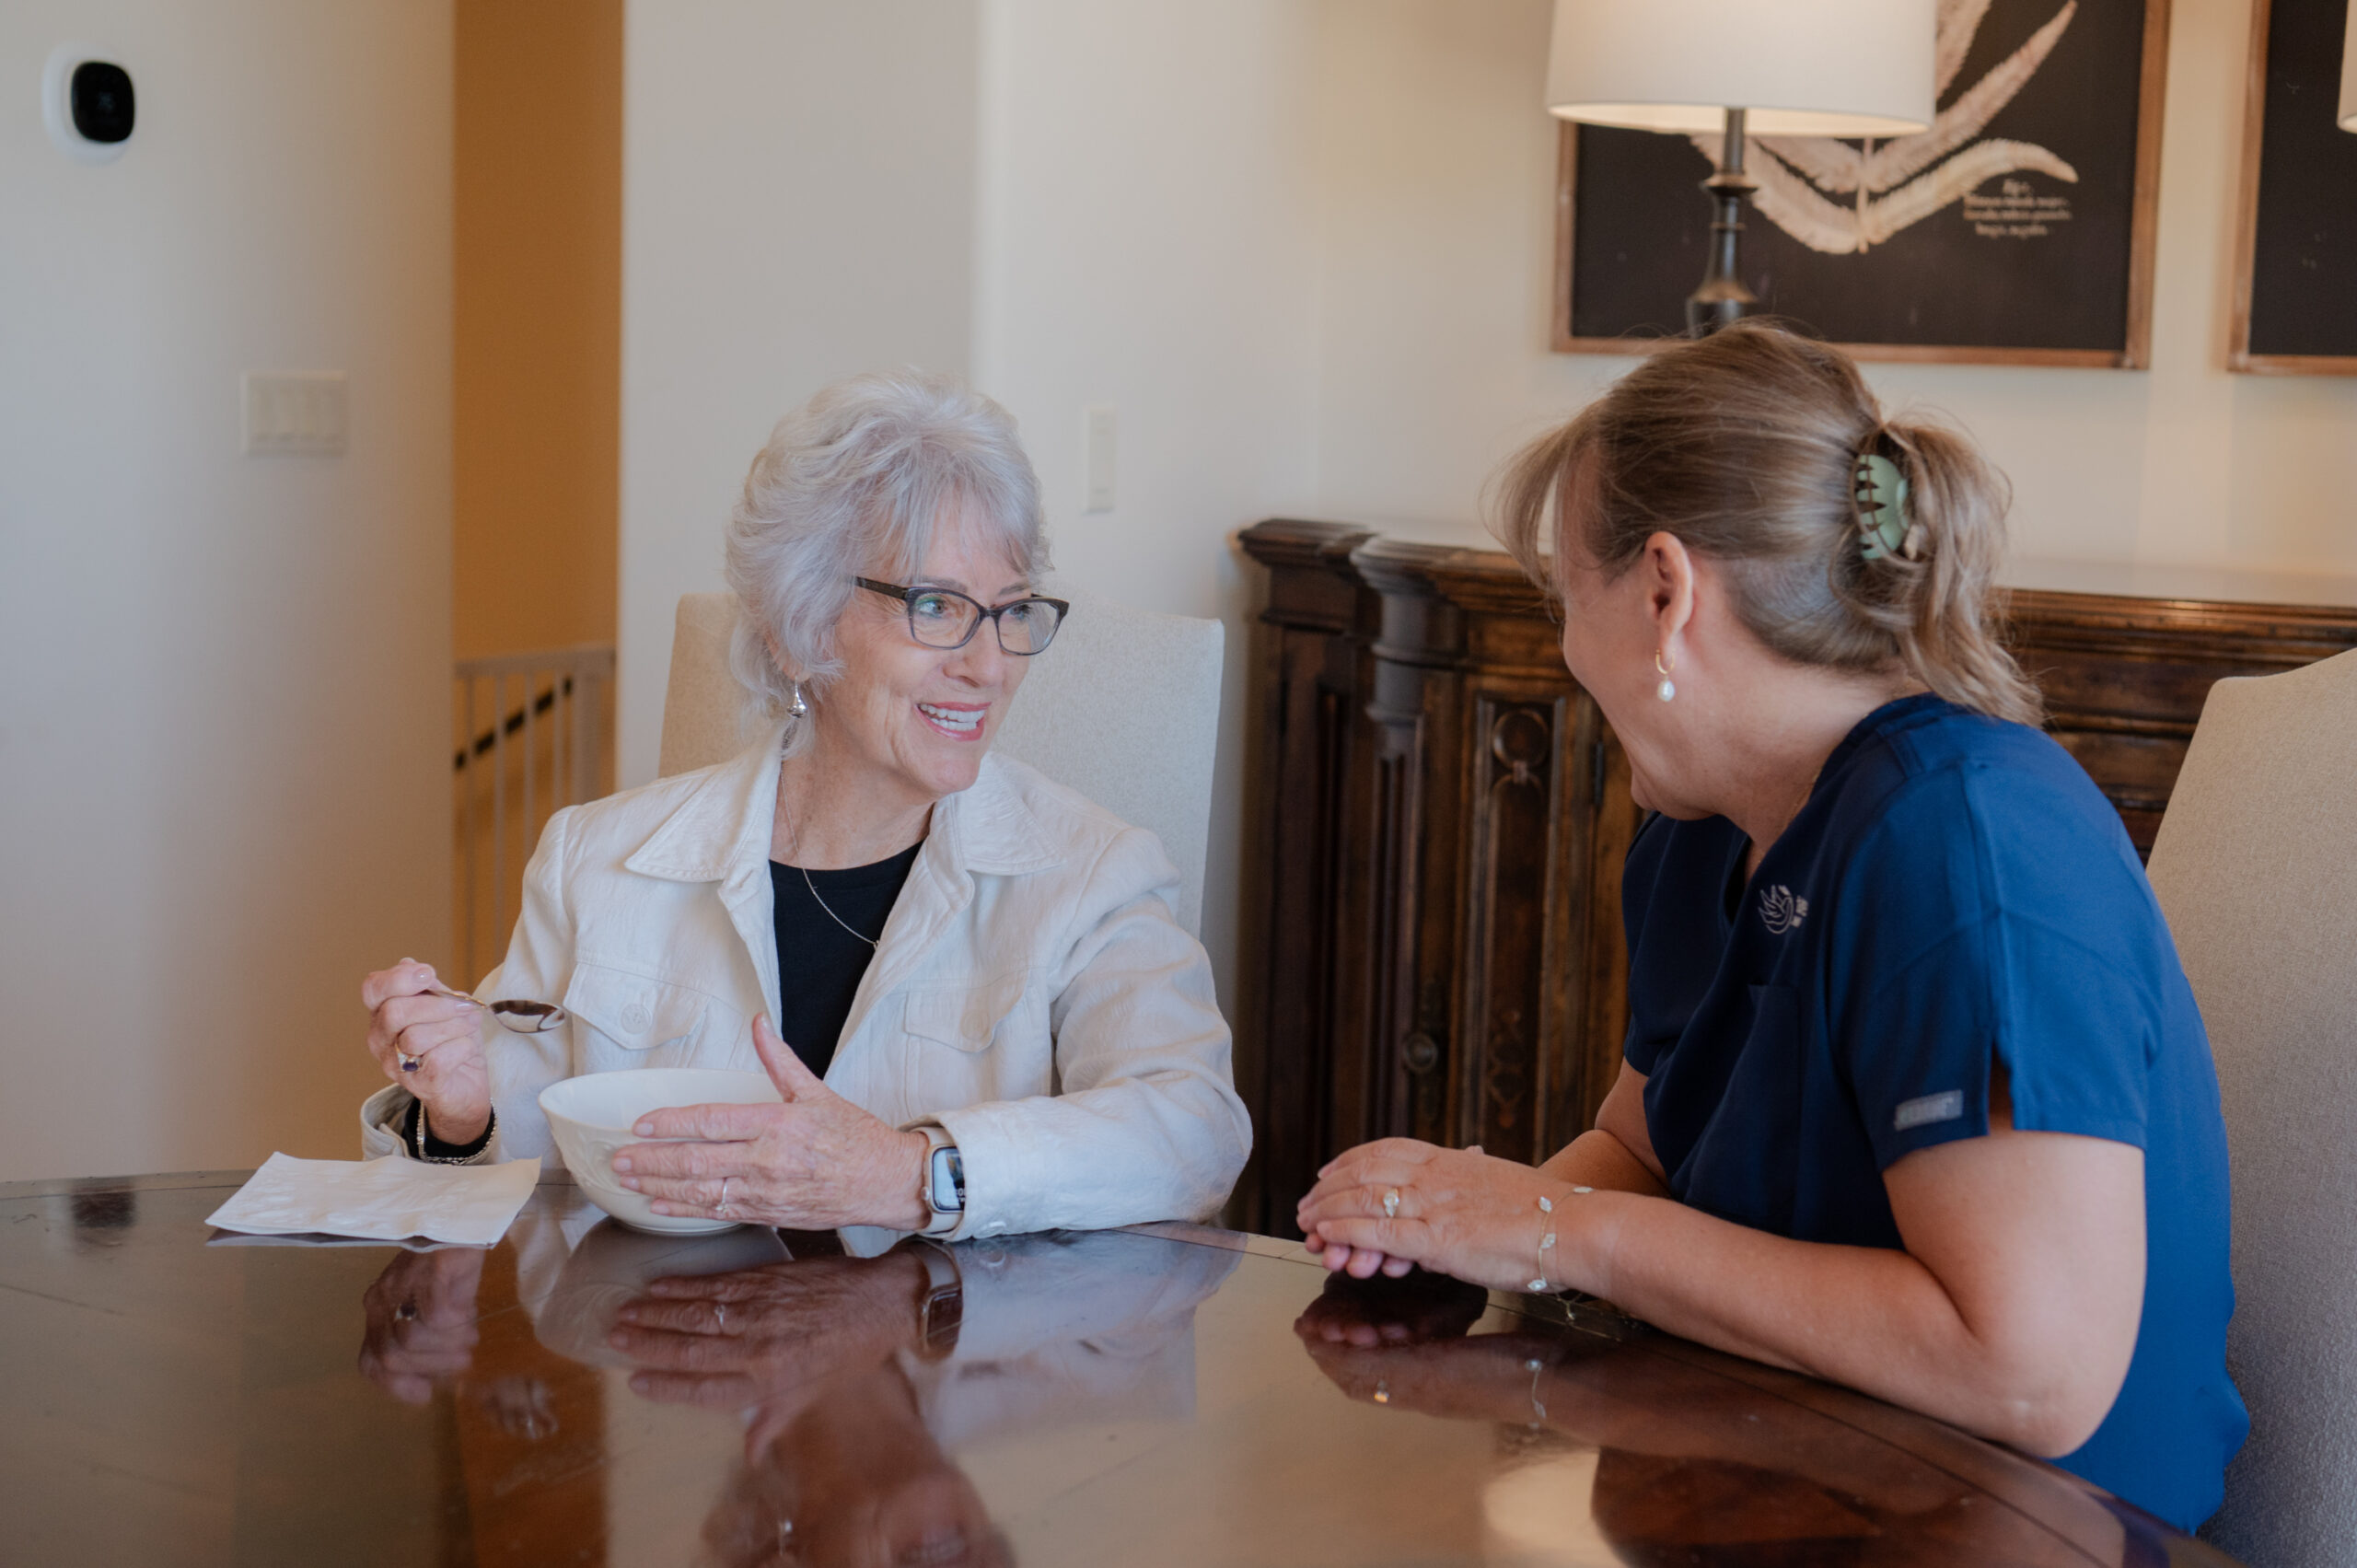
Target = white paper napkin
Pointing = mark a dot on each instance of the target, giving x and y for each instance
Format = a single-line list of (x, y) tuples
[(380, 1200)]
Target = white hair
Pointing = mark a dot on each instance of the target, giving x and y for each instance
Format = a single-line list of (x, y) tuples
[(853, 482)]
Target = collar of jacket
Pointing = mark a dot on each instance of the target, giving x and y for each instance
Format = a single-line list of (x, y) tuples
[(721, 833)]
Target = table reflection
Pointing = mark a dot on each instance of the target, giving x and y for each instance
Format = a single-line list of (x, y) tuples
[(853, 1377), (1162, 1398), (1657, 1458)]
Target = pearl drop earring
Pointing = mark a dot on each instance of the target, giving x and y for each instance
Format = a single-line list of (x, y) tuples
[(1669, 687)]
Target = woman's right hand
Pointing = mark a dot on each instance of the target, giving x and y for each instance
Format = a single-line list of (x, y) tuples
[(406, 1019)]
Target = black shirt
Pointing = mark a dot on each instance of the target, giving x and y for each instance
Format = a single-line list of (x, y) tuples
[(818, 963)]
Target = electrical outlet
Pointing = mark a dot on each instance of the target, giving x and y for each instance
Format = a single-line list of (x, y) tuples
[(294, 413)]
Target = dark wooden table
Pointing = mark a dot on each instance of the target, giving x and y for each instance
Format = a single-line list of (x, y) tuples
[(1170, 1395)]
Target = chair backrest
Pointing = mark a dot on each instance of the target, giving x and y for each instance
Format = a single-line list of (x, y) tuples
[(2256, 866), (1124, 708)]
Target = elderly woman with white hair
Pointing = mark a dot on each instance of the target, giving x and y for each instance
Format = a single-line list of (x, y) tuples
[(967, 981)]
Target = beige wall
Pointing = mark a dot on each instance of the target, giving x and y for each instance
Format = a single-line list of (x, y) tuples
[(1149, 240), (224, 680), (537, 346), (798, 184)]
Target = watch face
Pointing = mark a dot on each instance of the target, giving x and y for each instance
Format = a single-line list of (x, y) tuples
[(946, 1189)]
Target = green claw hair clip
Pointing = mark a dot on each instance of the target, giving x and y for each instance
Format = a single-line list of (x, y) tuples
[(1878, 495)]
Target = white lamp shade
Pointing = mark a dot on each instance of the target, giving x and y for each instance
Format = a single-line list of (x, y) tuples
[(2349, 71), (1799, 67)]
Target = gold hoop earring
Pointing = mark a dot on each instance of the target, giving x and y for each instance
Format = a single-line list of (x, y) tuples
[(1669, 687)]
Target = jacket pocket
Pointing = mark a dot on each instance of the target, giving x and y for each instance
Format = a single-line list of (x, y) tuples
[(965, 1016), (635, 1012)]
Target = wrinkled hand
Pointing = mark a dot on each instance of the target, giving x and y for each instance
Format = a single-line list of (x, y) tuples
[(421, 1321), (817, 1162), (1459, 1213), (442, 1036), (771, 1335)]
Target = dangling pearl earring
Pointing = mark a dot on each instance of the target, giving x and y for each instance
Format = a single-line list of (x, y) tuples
[(1669, 687)]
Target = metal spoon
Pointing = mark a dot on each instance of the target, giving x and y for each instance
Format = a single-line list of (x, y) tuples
[(509, 1013)]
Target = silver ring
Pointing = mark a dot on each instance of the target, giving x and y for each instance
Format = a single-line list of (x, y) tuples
[(1391, 1204), (721, 1208)]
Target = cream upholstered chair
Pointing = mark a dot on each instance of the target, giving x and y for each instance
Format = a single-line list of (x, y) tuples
[(2256, 866), (1123, 707)]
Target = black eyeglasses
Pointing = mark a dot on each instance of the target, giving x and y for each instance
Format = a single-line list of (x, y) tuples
[(942, 618)]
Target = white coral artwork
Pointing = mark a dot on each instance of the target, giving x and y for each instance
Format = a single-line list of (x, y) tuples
[(1893, 185)]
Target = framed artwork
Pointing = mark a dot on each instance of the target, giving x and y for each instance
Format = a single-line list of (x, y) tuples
[(2018, 229), (2295, 249)]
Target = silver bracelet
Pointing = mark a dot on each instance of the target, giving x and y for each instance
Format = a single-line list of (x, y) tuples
[(1546, 1242), (417, 1144)]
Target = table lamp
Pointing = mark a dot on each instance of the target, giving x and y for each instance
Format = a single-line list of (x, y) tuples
[(1742, 67)]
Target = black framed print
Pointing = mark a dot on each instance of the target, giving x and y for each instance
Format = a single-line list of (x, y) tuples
[(2018, 229), (2295, 255)]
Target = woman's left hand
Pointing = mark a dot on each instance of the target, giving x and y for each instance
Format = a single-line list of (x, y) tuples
[(1458, 1212), (814, 1163)]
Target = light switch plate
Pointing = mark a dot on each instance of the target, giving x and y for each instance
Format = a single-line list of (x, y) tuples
[(1099, 429), (294, 413)]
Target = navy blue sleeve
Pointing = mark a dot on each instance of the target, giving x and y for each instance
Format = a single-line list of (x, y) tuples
[(1995, 909)]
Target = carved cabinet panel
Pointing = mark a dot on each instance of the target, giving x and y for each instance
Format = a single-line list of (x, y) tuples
[(1437, 815)]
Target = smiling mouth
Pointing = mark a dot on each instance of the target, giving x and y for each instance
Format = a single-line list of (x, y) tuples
[(959, 723)]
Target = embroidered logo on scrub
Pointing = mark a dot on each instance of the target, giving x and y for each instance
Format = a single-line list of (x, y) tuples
[(1781, 911), (1924, 1109)]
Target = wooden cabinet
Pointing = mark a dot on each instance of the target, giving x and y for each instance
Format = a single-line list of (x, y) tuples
[(1437, 816)]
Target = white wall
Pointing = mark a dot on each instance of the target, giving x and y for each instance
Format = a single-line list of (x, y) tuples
[(798, 205), (1148, 240), (1437, 173), (224, 680)]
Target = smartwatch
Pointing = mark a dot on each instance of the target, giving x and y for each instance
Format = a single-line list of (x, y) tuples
[(945, 1181)]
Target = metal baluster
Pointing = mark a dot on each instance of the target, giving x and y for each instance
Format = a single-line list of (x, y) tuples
[(467, 774), (531, 834), (560, 787), (585, 750), (498, 806)]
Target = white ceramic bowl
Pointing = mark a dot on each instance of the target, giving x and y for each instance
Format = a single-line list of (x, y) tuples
[(591, 1117)]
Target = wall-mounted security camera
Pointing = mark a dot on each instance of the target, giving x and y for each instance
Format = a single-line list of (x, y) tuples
[(87, 102)]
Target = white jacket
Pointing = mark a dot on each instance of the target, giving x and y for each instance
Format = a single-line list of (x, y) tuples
[(1032, 994)]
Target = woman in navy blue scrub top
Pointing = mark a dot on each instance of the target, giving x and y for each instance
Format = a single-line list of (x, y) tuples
[(1915, 1097)]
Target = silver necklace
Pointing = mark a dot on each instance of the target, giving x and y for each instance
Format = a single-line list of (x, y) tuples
[(790, 827)]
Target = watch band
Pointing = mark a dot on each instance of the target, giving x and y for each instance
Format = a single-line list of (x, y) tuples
[(941, 1308)]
